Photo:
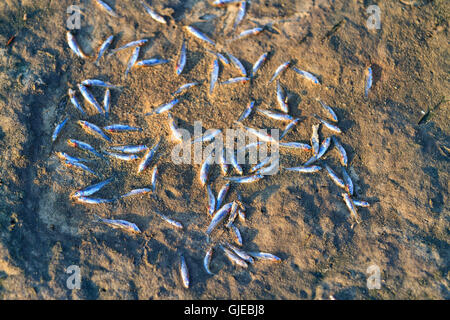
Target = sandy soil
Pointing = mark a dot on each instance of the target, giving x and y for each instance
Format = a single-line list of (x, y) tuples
[(399, 166)]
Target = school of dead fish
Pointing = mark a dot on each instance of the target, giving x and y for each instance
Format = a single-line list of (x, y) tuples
[(218, 209)]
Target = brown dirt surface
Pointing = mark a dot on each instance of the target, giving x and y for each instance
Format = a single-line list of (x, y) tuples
[(399, 166)]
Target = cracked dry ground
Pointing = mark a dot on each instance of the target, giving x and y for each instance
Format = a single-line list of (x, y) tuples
[(399, 166)]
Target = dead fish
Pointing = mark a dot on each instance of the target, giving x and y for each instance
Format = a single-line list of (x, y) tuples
[(121, 156), (274, 115), (241, 253), (181, 59), (261, 135), (249, 32), (88, 200), (338, 181), (164, 108), (289, 127), (172, 222), (75, 102), (259, 63), (209, 135), (224, 166), (87, 95), (204, 169), (132, 60), (348, 181), (237, 79), (107, 8), (330, 112), (199, 35), (281, 98), (307, 75), (136, 192), (88, 191), (241, 13), (150, 62), (154, 177), (361, 203), (211, 200), (246, 179), (130, 148), (148, 158), (207, 261), (129, 45), (155, 16), (246, 113), (221, 3), (214, 75), (121, 224), (99, 83), (369, 80), (218, 217), (107, 102), (65, 156), (265, 256), (222, 195), (238, 64), (185, 87), (237, 234), (83, 146), (120, 128), (330, 126), (303, 169), (105, 45), (93, 129), (220, 56), (234, 258), (81, 166), (351, 207), (296, 145), (58, 129), (184, 272), (233, 215), (261, 164), (342, 153), (235, 163), (279, 70), (74, 46)]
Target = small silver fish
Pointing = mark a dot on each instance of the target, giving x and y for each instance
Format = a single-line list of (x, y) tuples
[(281, 98), (279, 70), (220, 56), (164, 108), (237, 234), (58, 129), (351, 207), (221, 3), (88, 200), (75, 102), (121, 224), (101, 51), (246, 113), (259, 63), (199, 35), (342, 153), (249, 32), (304, 169), (265, 256), (172, 222), (148, 157), (237, 79), (88, 191), (151, 62), (233, 215), (99, 83), (208, 135), (241, 13), (235, 163), (83, 145), (330, 126), (120, 128), (65, 156), (330, 112), (261, 164), (121, 156), (222, 195), (93, 129), (130, 148), (155, 16), (74, 46), (107, 102), (361, 203), (154, 177), (181, 59), (348, 181), (338, 181), (368, 82), (307, 75), (246, 179), (238, 64), (211, 200), (295, 145), (218, 217), (207, 261), (129, 45), (185, 87), (274, 115), (214, 75), (184, 272), (81, 166), (132, 60), (107, 8), (234, 258), (289, 127), (136, 192), (261, 135), (87, 95), (241, 253)]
